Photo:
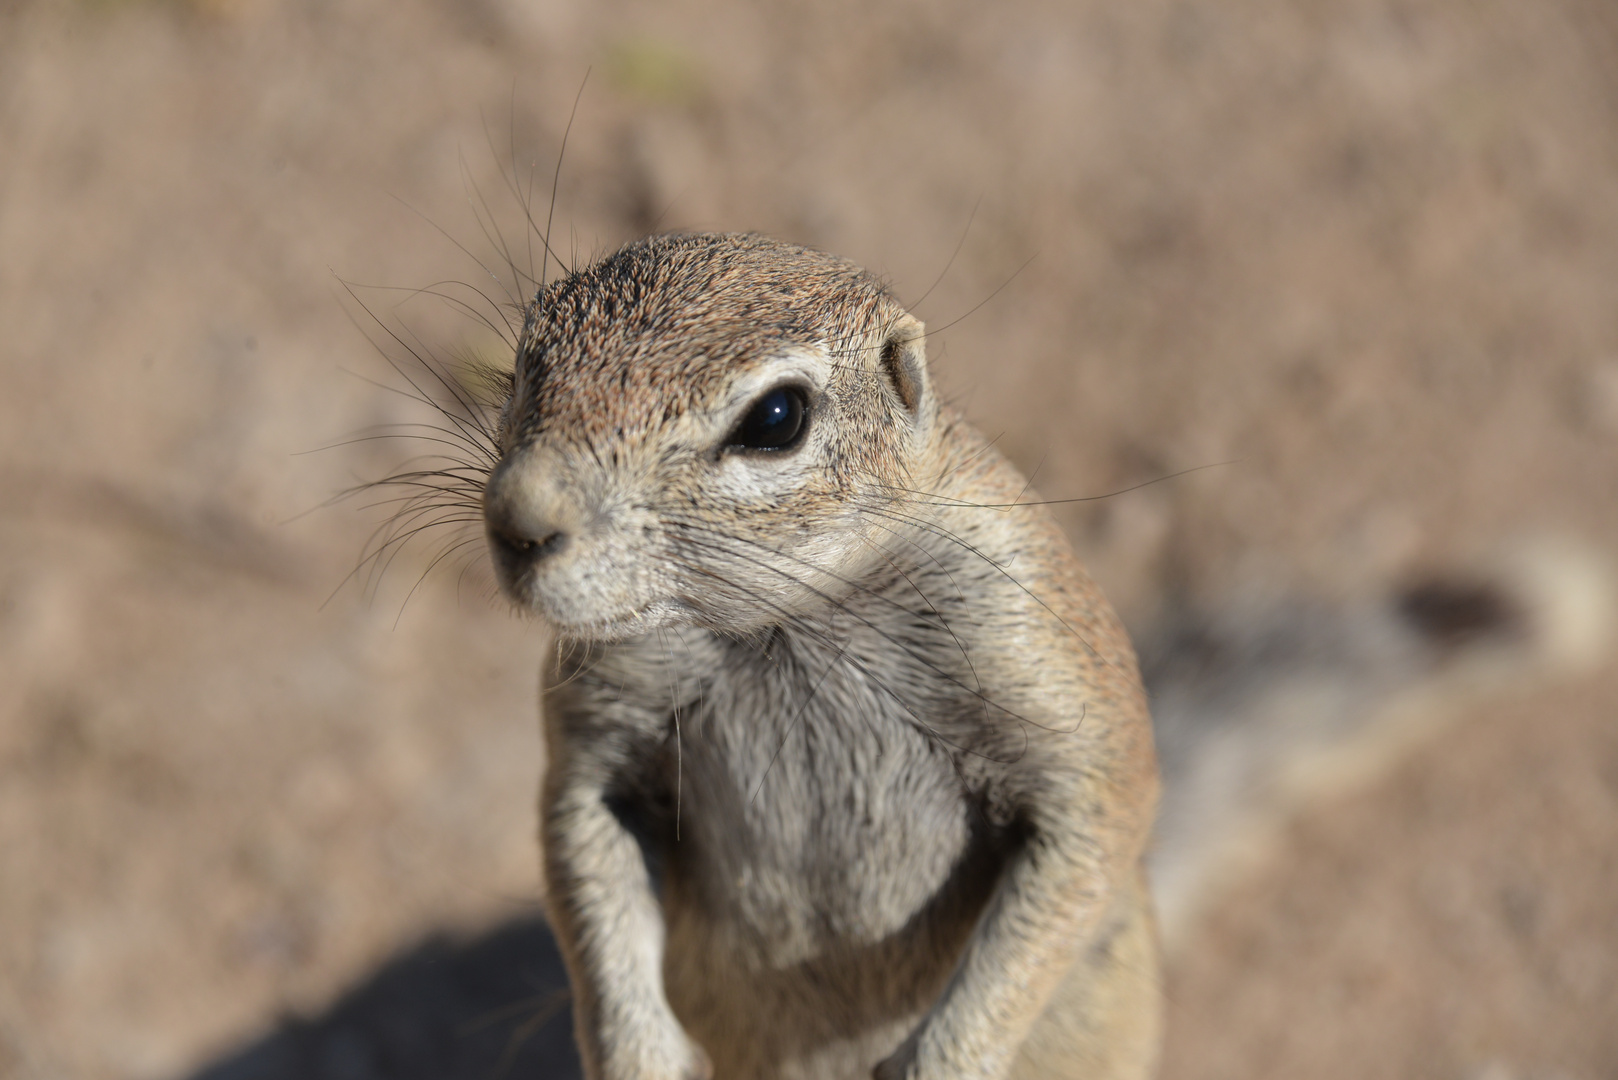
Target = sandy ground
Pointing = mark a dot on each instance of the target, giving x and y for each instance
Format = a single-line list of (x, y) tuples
[(1367, 251)]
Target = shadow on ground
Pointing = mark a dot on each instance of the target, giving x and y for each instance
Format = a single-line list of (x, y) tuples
[(488, 1008)]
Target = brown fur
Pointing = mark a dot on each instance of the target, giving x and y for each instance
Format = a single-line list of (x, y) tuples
[(850, 768)]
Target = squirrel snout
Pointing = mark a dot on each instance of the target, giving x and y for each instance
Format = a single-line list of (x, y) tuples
[(525, 519)]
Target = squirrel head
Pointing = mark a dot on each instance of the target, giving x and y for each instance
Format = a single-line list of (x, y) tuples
[(704, 430)]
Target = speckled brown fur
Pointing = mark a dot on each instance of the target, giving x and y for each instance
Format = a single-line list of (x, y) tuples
[(849, 765)]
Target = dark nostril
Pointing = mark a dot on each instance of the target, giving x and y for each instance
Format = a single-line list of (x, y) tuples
[(528, 547)]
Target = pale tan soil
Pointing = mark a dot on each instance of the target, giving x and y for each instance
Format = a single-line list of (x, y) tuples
[(1456, 921), (1366, 250)]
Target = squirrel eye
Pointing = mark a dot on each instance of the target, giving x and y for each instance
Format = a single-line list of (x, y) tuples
[(775, 422)]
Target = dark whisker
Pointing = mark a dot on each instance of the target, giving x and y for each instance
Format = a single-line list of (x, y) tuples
[(892, 639), (947, 535), (429, 570), (466, 426), (487, 224), (944, 500), (464, 250), (503, 329), (952, 256), (556, 179), (792, 725), (932, 608), (811, 630)]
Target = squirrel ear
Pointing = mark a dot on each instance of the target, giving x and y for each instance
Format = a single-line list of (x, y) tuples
[(904, 361)]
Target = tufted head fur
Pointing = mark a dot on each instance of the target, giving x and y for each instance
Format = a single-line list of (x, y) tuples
[(621, 473)]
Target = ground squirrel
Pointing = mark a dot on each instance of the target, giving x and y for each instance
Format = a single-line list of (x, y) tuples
[(849, 767)]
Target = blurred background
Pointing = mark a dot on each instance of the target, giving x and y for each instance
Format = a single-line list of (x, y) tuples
[(257, 821)]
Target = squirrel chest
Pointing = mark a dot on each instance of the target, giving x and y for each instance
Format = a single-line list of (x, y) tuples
[(795, 800)]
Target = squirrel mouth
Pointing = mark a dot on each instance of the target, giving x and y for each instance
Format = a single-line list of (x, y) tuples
[(655, 615)]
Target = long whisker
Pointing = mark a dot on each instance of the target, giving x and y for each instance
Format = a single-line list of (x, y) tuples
[(556, 179), (503, 329), (892, 639), (932, 608), (792, 725), (429, 570), (464, 250), (999, 568), (966, 655), (809, 629), (674, 716), (471, 426), (952, 255), (935, 499), (487, 224)]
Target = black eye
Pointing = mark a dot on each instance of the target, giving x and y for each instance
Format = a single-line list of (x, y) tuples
[(775, 422)]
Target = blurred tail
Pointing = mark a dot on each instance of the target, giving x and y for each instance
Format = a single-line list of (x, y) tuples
[(1265, 705)]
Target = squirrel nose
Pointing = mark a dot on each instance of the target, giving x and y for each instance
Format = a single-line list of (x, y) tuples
[(524, 516)]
